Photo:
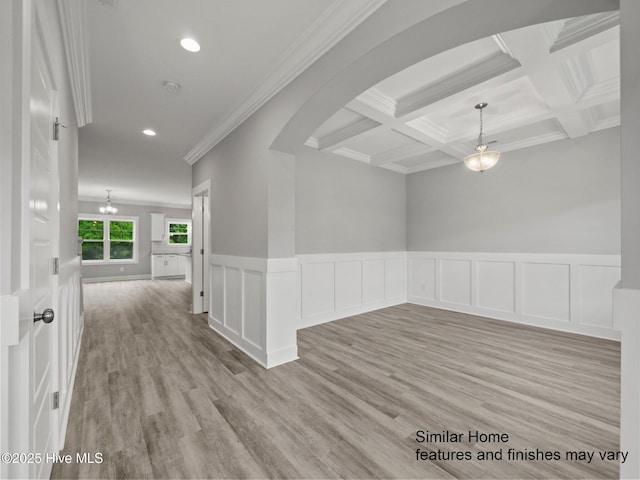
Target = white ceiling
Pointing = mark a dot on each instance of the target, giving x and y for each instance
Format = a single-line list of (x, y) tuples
[(542, 83), (249, 50)]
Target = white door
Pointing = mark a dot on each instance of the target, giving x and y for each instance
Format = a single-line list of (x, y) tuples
[(43, 233), (200, 248)]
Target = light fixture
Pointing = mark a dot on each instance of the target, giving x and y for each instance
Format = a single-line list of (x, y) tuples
[(108, 209), (148, 131), (190, 45), (483, 159)]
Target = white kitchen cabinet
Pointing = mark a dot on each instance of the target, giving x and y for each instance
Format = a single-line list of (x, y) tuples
[(169, 265), (157, 227)]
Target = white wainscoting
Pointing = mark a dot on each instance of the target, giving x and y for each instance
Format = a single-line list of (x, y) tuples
[(565, 292), (253, 306), (70, 323), (333, 286)]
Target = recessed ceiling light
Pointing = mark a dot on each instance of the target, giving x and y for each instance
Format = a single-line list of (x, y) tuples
[(149, 132), (190, 45)]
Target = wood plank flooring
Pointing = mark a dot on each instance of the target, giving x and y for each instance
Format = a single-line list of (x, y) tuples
[(160, 395)]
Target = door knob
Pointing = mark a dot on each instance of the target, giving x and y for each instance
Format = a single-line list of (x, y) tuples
[(46, 316)]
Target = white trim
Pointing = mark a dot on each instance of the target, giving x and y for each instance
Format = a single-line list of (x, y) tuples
[(337, 21), (200, 241), (71, 325), (76, 46), (339, 285), (579, 28), (626, 305), (107, 241), (144, 203), (488, 68), (252, 305), (145, 276), (556, 291), (167, 222)]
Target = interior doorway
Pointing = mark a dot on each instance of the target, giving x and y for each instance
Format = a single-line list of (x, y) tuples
[(200, 248)]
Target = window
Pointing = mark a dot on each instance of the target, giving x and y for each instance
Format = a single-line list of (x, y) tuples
[(178, 232), (108, 240)]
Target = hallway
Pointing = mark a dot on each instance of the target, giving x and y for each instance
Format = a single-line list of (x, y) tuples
[(160, 395)]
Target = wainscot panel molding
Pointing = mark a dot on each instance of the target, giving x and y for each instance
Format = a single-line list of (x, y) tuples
[(146, 276), (252, 305), (571, 293), (70, 320), (333, 286)]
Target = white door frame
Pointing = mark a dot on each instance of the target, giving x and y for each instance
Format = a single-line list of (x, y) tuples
[(22, 22), (200, 243)]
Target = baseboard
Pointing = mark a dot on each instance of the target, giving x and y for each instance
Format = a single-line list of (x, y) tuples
[(232, 337), (564, 292), (348, 312), (334, 286), (550, 324), (265, 359), (116, 278)]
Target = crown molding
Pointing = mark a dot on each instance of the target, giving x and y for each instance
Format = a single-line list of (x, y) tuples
[(606, 90), (580, 28), (312, 142), (532, 141), (353, 155), (337, 21), (577, 75), (395, 168), (139, 203), (502, 45), (76, 48), (377, 100)]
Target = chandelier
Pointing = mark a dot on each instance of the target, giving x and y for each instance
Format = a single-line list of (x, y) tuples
[(483, 159), (108, 209)]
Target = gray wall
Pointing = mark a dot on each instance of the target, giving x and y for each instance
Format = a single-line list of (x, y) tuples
[(143, 267), (344, 205), (238, 199), (561, 197)]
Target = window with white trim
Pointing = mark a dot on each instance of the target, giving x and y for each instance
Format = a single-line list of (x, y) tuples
[(178, 232), (108, 239)]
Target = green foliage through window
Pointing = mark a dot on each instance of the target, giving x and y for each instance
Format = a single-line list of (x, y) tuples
[(107, 240), (179, 233)]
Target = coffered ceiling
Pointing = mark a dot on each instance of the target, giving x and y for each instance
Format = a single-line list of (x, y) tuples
[(542, 83)]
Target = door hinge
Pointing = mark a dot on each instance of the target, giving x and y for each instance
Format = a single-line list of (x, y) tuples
[(56, 400), (202, 294), (56, 266), (202, 251), (56, 129), (202, 206)]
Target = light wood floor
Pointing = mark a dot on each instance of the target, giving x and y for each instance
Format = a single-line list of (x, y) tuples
[(160, 395)]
